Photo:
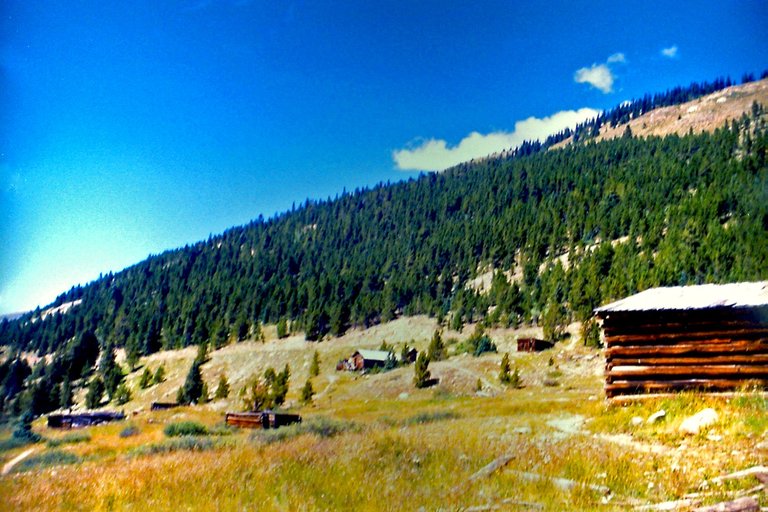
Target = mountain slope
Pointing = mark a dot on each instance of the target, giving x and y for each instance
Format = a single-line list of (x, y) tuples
[(688, 209)]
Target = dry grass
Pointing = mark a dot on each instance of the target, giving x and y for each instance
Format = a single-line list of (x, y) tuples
[(408, 448)]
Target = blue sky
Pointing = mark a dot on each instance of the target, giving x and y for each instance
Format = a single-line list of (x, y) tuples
[(128, 128)]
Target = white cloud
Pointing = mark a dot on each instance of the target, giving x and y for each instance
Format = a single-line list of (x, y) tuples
[(598, 76), (436, 155), (670, 52), (617, 57)]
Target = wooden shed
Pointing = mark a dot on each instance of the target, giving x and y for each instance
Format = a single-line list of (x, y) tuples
[(365, 359), (533, 345), (707, 337), (261, 419)]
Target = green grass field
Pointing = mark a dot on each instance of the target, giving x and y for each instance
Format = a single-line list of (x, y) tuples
[(374, 442)]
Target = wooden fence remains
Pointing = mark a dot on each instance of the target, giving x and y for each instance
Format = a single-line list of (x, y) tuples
[(261, 419), (708, 337)]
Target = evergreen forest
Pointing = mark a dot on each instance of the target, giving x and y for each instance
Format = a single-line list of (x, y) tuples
[(629, 214)]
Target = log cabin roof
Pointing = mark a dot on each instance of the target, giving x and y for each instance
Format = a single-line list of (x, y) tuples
[(681, 298)]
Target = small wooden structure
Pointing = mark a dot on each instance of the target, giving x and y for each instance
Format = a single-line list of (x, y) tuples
[(707, 337), (261, 419), (365, 359), (533, 345), (84, 419)]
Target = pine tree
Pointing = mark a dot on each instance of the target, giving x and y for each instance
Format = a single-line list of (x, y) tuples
[(110, 371), (159, 374), (314, 369), (421, 372), (122, 394), (146, 379), (590, 333), (282, 328), (280, 386), (65, 399), (192, 389), (404, 354), (222, 390), (307, 392), (436, 349), (505, 376), (95, 393)]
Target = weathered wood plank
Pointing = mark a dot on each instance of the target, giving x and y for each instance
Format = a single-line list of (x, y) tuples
[(656, 372), (735, 347), (742, 359), (694, 336), (649, 386)]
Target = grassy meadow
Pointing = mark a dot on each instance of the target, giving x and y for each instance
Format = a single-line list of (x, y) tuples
[(375, 442)]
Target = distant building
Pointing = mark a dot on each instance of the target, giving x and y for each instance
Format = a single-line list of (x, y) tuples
[(365, 359), (708, 337), (83, 419), (533, 345)]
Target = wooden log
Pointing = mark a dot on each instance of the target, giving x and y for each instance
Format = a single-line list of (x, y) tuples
[(615, 388), (759, 472), (745, 504), (662, 337), (672, 329), (740, 359), (492, 467), (657, 372), (682, 349)]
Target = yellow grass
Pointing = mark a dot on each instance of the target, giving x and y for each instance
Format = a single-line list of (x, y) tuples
[(411, 448)]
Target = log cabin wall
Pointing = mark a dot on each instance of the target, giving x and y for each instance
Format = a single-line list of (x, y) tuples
[(718, 348)]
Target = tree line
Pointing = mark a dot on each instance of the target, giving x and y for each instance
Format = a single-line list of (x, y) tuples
[(630, 214)]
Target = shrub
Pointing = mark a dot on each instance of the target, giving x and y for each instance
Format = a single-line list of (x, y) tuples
[(11, 443), (71, 438), (45, 459), (23, 431), (478, 343), (319, 426), (188, 443), (430, 417), (185, 428), (130, 430)]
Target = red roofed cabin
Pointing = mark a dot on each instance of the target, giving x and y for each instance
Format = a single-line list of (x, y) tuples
[(709, 337)]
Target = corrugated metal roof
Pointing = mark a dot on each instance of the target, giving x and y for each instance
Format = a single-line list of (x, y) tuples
[(705, 296), (374, 355)]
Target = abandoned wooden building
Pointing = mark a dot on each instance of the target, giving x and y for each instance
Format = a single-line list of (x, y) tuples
[(84, 419), (365, 359), (533, 345), (707, 337), (261, 419)]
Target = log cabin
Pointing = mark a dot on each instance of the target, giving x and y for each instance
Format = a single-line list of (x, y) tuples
[(706, 337)]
